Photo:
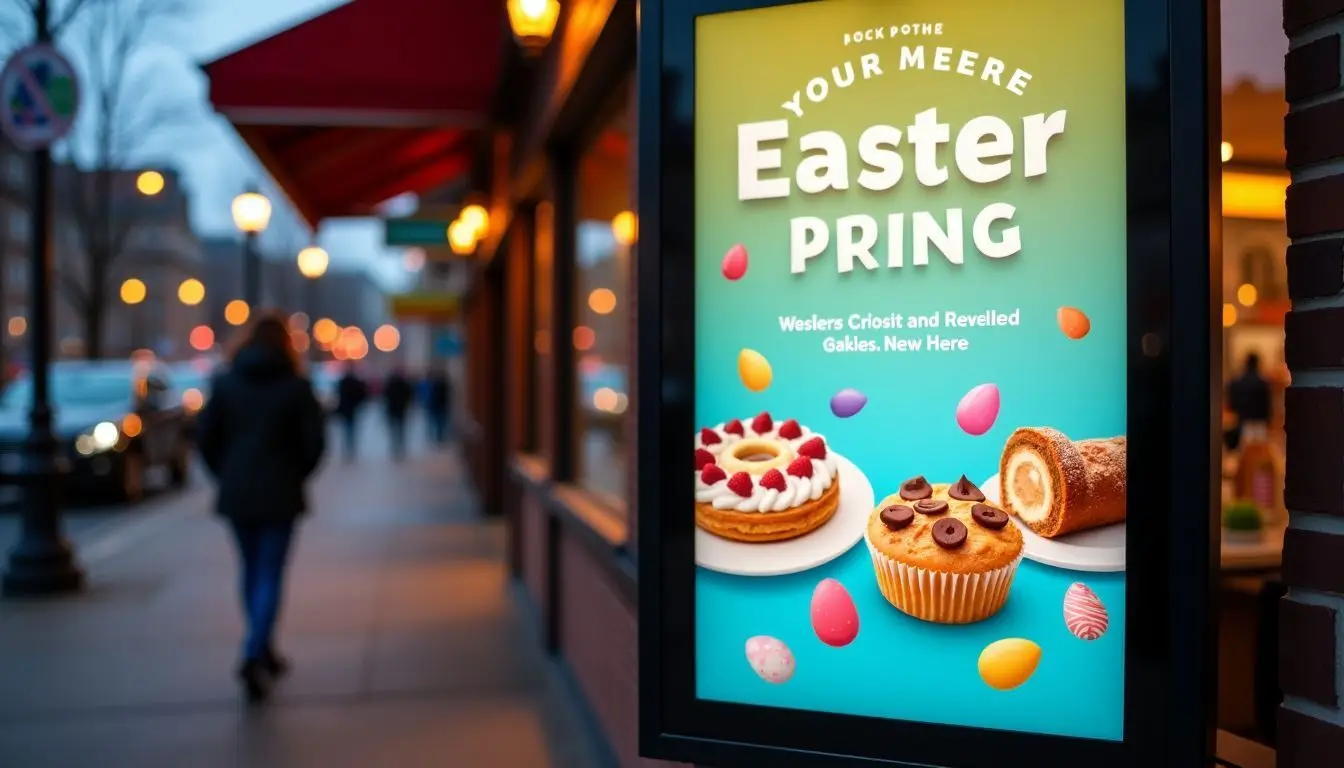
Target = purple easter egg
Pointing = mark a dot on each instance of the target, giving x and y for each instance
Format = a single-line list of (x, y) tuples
[(848, 402)]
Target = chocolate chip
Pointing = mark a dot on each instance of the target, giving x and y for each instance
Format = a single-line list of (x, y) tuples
[(916, 488), (965, 490), (930, 506), (949, 533), (992, 518), (897, 516)]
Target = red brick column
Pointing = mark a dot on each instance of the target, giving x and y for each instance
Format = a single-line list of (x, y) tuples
[(1311, 618)]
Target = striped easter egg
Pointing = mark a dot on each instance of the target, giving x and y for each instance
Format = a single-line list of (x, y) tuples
[(1084, 614)]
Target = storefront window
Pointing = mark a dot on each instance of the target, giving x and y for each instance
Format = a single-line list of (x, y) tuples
[(543, 367), (604, 243)]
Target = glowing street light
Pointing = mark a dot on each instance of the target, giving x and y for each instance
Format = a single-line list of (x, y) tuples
[(133, 291), (461, 237), (149, 183), (251, 212), (476, 218), (191, 292), (236, 312), (313, 262), (533, 23)]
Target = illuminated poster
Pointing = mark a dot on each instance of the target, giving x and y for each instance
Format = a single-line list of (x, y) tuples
[(910, 490)]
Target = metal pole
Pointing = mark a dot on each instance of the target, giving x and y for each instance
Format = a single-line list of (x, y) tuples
[(310, 307), (43, 562), (251, 271)]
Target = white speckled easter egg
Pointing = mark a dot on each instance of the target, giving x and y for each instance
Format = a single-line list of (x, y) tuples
[(770, 658), (1084, 613), (978, 410), (834, 617), (1006, 664)]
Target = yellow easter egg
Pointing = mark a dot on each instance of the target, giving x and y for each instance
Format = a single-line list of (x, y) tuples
[(754, 370), (1006, 664)]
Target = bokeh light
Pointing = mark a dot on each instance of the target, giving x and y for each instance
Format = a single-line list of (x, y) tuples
[(201, 338), (476, 219), (236, 312), (1229, 315), (325, 331), (313, 262), (386, 338), (602, 301), (584, 338), (192, 399), (133, 291), (625, 228), (18, 326), (300, 341), (191, 292), (149, 183), (298, 321), (1247, 295), (131, 426), (604, 399), (414, 259)]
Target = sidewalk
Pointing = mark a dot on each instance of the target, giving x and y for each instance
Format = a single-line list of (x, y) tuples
[(407, 648)]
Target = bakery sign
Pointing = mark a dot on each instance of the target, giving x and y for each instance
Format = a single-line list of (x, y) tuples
[(910, 398)]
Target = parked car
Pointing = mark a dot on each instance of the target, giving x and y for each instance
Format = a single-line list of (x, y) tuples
[(115, 421)]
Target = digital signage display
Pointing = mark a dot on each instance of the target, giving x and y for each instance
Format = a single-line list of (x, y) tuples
[(924, 279)]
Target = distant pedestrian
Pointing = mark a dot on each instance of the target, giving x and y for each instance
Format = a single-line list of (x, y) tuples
[(439, 404), (1249, 396), (397, 396), (262, 436), (351, 392)]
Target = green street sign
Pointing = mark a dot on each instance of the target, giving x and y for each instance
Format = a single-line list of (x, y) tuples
[(415, 231)]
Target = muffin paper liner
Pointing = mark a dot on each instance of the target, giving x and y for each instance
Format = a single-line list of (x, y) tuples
[(944, 598)]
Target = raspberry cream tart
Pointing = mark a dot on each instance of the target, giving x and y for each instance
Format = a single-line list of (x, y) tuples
[(1058, 486), (941, 553), (762, 481)]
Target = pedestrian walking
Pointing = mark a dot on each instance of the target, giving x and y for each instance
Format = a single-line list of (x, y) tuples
[(397, 396), (351, 392), (261, 435), (439, 405)]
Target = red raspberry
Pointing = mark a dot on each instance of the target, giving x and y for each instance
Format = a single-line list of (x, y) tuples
[(774, 480), (709, 436), (712, 474), (813, 449), (740, 484), (800, 467), (762, 423), (734, 427), (703, 459), (790, 430)]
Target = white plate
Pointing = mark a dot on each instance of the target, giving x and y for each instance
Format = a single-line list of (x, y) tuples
[(819, 547), (1100, 550)]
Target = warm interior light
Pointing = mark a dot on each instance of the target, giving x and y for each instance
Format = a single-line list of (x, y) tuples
[(1227, 151), (251, 212), (476, 218), (625, 228), (18, 326), (313, 262), (149, 183), (1229, 315), (133, 291), (386, 338), (584, 338), (533, 22), (1246, 295), (201, 338), (602, 301), (461, 237), (236, 312), (325, 331), (1254, 195), (191, 292)]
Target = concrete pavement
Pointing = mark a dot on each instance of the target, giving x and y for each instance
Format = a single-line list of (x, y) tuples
[(408, 650)]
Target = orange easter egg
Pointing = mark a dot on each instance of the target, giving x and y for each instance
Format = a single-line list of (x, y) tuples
[(1073, 322)]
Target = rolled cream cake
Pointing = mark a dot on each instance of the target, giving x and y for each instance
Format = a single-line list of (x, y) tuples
[(1058, 486)]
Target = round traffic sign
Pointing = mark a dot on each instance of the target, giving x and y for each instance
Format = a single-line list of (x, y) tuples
[(39, 96)]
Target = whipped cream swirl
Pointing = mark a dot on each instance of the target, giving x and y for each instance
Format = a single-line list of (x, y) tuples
[(797, 491)]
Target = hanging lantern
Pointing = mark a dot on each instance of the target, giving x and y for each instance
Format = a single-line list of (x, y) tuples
[(533, 22)]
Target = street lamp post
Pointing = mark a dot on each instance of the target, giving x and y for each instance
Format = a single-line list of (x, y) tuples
[(43, 562), (313, 263), (251, 214)]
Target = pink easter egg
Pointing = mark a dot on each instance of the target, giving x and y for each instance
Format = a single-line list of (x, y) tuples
[(1084, 613), (735, 262), (771, 659), (834, 617), (978, 409)]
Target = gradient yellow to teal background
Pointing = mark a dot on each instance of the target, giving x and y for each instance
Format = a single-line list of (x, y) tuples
[(1072, 223)]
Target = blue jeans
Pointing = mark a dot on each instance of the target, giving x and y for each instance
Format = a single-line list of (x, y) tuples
[(263, 551)]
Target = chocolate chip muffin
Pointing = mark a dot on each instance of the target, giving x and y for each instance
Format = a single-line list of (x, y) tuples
[(941, 553)]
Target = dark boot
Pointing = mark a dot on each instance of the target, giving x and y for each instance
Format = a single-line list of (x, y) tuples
[(256, 680), (276, 665)]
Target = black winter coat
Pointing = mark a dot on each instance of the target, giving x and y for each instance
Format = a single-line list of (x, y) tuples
[(261, 434)]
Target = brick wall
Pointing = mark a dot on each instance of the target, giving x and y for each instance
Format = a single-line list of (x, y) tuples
[(1311, 720)]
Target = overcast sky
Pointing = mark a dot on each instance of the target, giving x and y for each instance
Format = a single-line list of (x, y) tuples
[(216, 165)]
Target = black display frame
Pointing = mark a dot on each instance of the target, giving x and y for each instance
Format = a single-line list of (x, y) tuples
[(1173, 349)]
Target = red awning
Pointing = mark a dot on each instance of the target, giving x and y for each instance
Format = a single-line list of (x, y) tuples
[(365, 102)]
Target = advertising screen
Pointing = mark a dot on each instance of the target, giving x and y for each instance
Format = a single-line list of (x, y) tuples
[(910, 362)]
